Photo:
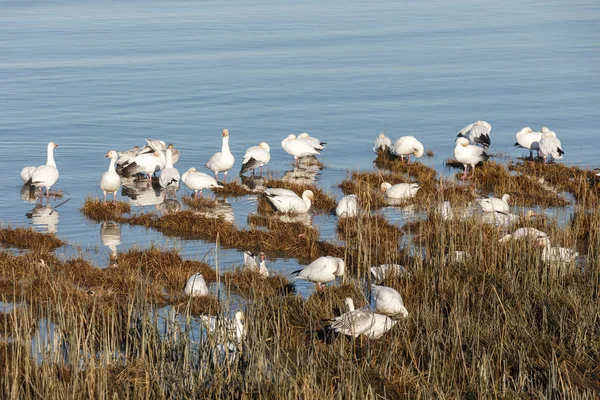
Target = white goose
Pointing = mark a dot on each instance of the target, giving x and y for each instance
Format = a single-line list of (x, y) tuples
[(528, 139), (313, 141), (550, 145), (347, 207), (110, 182), (524, 233), (361, 321), (323, 270), (226, 329), (381, 272), (252, 265), (382, 143), (288, 203), (45, 176), (223, 160), (557, 255), (388, 301), (256, 157), (26, 173), (196, 286), (400, 191), (127, 155), (145, 163), (198, 181), (467, 154), (175, 153), (477, 133), (407, 145), (156, 145), (169, 176), (298, 148), (492, 204)]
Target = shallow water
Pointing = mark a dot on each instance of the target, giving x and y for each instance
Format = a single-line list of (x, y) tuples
[(95, 76)]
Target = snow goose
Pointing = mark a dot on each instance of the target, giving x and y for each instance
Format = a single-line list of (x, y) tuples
[(251, 263), (169, 176), (388, 301), (384, 271), (145, 163), (477, 133), (399, 191), (110, 182), (362, 321), (291, 203), (223, 160), (26, 173), (498, 218), (298, 148), (492, 204), (196, 286), (126, 156), (347, 207), (156, 145), (175, 153), (407, 145), (550, 145), (256, 157), (226, 329), (382, 143), (280, 192), (467, 154), (324, 269), (456, 256), (524, 233), (45, 176), (198, 181), (313, 141), (528, 139), (560, 256)]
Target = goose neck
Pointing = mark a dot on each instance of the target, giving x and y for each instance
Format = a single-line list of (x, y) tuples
[(51, 157)]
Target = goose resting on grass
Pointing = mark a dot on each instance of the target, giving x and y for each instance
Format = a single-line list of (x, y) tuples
[(46, 175), (477, 133), (288, 203), (524, 233), (298, 148), (382, 143), (407, 145), (223, 160), (388, 301), (530, 140), (399, 191), (196, 286), (110, 182), (197, 181), (256, 157), (560, 256), (361, 321), (492, 204), (323, 270), (468, 154)]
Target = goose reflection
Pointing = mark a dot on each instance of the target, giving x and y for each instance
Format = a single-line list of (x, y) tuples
[(169, 206), (302, 175), (141, 195), (222, 210), (45, 217), (253, 182), (29, 194), (300, 218), (110, 235)]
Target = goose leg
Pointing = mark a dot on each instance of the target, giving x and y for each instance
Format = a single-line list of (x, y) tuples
[(225, 176), (105, 198), (115, 197)]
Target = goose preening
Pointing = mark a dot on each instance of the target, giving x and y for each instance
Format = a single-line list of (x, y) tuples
[(528, 139), (146, 164), (156, 145), (197, 181), (26, 173), (250, 262), (399, 191), (312, 141), (524, 233), (298, 148), (256, 157), (388, 301), (110, 182), (560, 256), (384, 271), (468, 154), (46, 175), (323, 270), (126, 156), (407, 145), (225, 329), (290, 202), (491, 204), (196, 286), (347, 207), (223, 160), (550, 145), (169, 176), (477, 133), (362, 321), (382, 143)]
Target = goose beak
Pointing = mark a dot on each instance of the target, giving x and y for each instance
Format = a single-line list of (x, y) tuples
[(107, 155)]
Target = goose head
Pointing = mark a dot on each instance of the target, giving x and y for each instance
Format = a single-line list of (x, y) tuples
[(225, 132), (303, 135), (265, 146), (461, 141), (341, 267), (349, 304), (381, 136), (506, 198), (112, 155), (385, 186)]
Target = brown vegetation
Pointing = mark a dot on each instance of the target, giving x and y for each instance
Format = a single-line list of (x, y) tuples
[(96, 210), (29, 238)]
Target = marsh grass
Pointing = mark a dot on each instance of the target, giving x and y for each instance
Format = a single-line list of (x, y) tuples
[(415, 171), (232, 189), (199, 203), (96, 210), (29, 238), (251, 284)]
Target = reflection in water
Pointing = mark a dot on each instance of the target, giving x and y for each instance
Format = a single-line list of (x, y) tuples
[(222, 210), (141, 195), (45, 217), (300, 218), (29, 194), (110, 234), (302, 175), (169, 206), (253, 182)]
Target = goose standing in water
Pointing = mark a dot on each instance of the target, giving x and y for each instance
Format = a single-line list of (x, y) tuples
[(382, 143), (298, 148), (197, 181), (550, 145), (291, 203), (492, 204), (256, 157), (223, 160), (196, 286), (399, 191), (323, 270), (110, 182), (468, 154), (146, 164), (477, 133), (530, 140), (407, 145), (45, 176), (169, 176)]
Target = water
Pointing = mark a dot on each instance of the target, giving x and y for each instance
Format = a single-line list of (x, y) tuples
[(95, 76)]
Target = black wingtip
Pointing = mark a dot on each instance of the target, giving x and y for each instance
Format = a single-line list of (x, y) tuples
[(560, 152), (296, 272), (517, 144)]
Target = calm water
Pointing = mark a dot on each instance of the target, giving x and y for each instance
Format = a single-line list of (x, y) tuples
[(95, 76)]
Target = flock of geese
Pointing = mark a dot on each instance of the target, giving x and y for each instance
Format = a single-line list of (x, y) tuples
[(156, 157)]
